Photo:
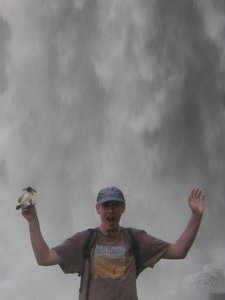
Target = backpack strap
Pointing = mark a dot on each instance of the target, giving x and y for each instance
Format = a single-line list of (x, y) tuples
[(88, 243), (134, 247)]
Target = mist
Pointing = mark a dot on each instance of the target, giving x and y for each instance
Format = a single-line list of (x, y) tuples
[(96, 93)]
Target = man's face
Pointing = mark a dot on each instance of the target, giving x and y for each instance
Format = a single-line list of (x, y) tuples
[(110, 213)]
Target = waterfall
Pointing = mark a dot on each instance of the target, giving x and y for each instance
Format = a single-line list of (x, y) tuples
[(97, 93)]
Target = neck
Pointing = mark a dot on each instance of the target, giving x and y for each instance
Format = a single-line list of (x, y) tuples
[(110, 232)]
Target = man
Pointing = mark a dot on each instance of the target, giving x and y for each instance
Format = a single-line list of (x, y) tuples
[(110, 271)]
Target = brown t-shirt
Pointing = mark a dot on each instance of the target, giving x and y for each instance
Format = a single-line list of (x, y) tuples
[(113, 270)]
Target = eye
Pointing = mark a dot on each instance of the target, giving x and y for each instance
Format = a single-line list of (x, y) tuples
[(106, 205)]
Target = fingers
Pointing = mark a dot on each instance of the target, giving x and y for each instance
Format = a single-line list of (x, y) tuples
[(196, 201), (28, 208), (197, 193)]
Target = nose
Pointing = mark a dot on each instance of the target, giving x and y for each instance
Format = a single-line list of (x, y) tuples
[(111, 207)]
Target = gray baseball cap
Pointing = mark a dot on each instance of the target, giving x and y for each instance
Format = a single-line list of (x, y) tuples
[(110, 194)]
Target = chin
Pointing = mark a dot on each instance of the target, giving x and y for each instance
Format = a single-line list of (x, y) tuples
[(112, 227)]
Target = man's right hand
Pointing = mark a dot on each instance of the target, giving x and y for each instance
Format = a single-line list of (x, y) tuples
[(29, 213)]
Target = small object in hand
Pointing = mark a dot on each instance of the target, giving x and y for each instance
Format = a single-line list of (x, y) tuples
[(27, 198)]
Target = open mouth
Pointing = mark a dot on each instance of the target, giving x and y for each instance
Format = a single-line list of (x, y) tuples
[(110, 219)]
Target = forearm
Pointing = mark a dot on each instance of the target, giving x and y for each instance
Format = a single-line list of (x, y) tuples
[(180, 248), (40, 248), (44, 255)]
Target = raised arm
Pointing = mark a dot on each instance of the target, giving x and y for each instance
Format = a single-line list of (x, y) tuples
[(180, 248), (44, 255)]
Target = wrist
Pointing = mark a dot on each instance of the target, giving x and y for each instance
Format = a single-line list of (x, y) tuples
[(197, 215), (33, 221)]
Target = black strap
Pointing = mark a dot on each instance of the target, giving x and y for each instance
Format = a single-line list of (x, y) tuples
[(134, 248), (92, 233)]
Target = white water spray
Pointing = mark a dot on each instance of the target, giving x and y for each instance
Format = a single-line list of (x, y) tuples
[(97, 93)]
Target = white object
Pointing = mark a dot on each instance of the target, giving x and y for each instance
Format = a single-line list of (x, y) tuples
[(27, 198)]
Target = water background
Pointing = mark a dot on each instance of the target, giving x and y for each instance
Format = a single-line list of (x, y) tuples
[(95, 93)]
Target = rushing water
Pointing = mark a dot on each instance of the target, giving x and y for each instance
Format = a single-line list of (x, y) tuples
[(97, 93)]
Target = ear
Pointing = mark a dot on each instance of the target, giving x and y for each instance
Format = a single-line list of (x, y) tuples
[(97, 208), (123, 208)]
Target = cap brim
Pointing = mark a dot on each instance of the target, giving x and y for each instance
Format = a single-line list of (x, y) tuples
[(107, 199)]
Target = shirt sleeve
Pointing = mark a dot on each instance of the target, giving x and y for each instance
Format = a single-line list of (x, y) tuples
[(150, 249), (70, 251)]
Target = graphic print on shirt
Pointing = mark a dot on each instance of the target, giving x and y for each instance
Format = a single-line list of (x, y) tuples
[(109, 262)]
